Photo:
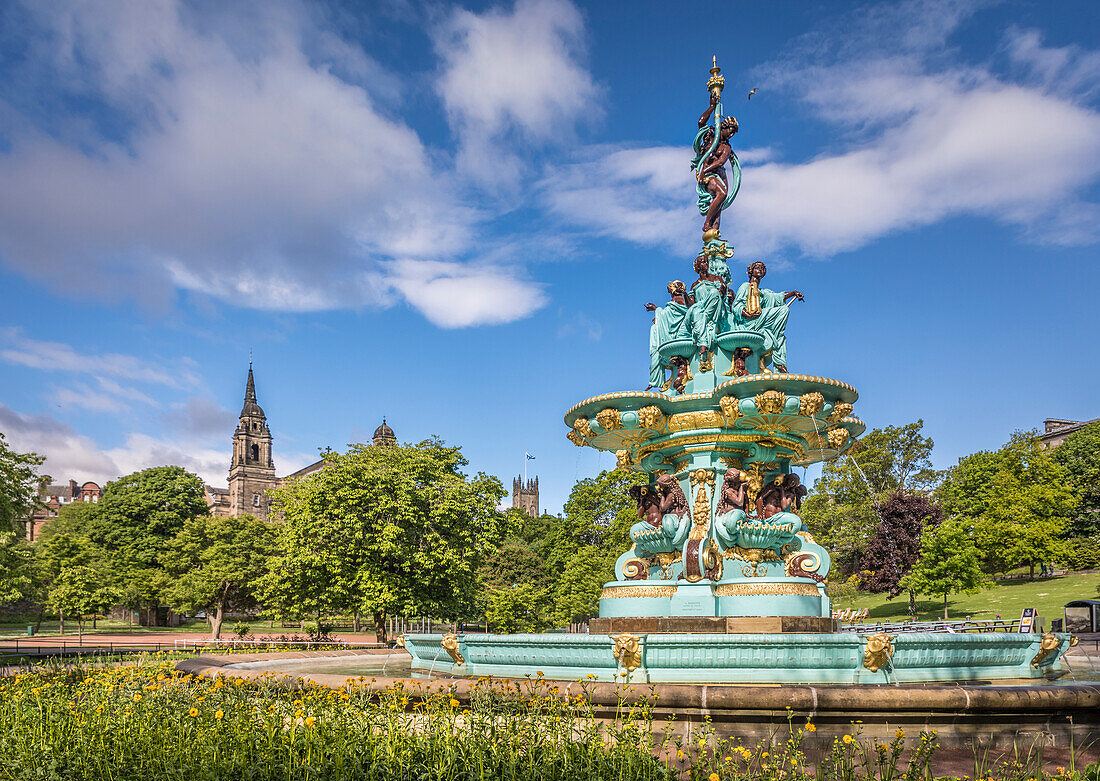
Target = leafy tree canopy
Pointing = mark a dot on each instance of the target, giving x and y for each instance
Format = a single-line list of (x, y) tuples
[(19, 485), (17, 569), (895, 545), (1017, 499), (841, 509), (948, 563), (385, 531), (1079, 454), (216, 563)]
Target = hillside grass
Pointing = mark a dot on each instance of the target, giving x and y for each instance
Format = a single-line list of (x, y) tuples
[(1006, 598)]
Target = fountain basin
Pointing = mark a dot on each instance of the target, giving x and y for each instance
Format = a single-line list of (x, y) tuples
[(794, 658)]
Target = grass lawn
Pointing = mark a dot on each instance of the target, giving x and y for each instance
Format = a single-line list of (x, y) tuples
[(1007, 598)]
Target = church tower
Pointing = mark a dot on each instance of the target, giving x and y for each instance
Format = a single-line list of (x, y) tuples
[(525, 496), (252, 472)]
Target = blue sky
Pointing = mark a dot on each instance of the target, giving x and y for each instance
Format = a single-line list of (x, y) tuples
[(451, 215)]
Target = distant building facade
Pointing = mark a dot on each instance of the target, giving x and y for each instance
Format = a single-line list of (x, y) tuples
[(252, 466), (53, 497), (525, 495), (1056, 430)]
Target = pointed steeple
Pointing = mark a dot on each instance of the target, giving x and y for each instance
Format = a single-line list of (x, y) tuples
[(251, 407)]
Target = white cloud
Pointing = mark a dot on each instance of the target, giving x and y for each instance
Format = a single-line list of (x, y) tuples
[(512, 78), (922, 142), (200, 416), (60, 357), (239, 152), (454, 295)]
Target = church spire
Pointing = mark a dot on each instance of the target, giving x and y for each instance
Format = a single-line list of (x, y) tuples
[(250, 388)]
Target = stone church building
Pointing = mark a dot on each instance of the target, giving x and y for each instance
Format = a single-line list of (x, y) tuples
[(252, 468)]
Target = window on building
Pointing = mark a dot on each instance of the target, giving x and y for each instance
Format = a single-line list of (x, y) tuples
[(255, 500), (255, 452)]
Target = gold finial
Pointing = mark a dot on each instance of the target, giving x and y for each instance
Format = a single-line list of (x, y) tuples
[(716, 81)]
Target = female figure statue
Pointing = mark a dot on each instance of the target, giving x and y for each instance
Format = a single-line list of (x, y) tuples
[(670, 323), (765, 311), (709, 291), (731, 507), (712, 151)]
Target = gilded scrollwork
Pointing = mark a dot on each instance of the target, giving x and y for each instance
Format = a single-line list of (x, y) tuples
[(637, 591), (764, 589), (623, 460), (687, 421), (770, 402), (609, 419), (877, 652), (841, 410), (575, 438), (581, 426), (810, 403)]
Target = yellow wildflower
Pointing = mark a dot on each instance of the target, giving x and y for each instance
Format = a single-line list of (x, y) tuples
[(811, 727), (454, 702), (309, 721), (679, 754), (713, 777), (900, 734), (137, 698), (847, 739), (193, 712), (702, 742), (219, 715)]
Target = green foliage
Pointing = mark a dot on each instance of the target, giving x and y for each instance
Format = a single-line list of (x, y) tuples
[(583, 545), (19, 484), (18, 575), (841, 510), (1017, 499), (385, 531), (518, 608), (948, 563), (1079, 454), (215, 564), (1083, 552), (83, 589)]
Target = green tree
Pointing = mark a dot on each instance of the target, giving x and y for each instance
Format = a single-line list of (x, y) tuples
[(17, 569), (1018, 500), (134, 522), (1080, 456), (215, 564), (517, 608), (948, 563), (582, 546), (841, 509), (19, 487), (385, 531), (82, 590), (67, 563)]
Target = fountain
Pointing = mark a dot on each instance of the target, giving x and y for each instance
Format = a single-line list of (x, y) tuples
[(723, 582), (718, 612)]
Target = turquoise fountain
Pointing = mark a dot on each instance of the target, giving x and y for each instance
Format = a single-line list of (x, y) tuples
[(723, 582)]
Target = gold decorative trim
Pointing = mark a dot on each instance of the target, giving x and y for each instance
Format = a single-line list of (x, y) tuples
[(575, 438), (613, 592), (449, 643), (609, 419), (689, 421), (627, 651), (811, 404), (709, 394), (838, 437), (581, 426), (730, 408), (770, 402), (841, 410), (1048, 645), (877, 652), (765, 589), (651, 417)]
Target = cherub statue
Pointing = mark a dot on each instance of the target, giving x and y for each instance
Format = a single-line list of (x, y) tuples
[(779, 497), (766, 312)]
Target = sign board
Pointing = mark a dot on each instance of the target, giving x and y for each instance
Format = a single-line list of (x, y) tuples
[(1027, 618)]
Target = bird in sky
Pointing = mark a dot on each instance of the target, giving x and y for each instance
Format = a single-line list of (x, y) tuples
[(752, 93)]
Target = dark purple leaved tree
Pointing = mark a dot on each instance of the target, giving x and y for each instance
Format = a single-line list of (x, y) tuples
[(895, 545)]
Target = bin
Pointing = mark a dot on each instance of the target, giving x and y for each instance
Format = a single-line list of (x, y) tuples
[(30, 631), (1082, 615)]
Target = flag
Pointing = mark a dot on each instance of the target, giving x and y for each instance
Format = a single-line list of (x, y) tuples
[(529, 456)]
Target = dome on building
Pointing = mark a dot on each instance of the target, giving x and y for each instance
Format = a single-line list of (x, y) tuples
[(384, 436)]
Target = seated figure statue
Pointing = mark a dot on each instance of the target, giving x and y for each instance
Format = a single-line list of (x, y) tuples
[(665, 522), (709, 293), (731, 508), (670, 323), (765, 311), (779, 498)]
